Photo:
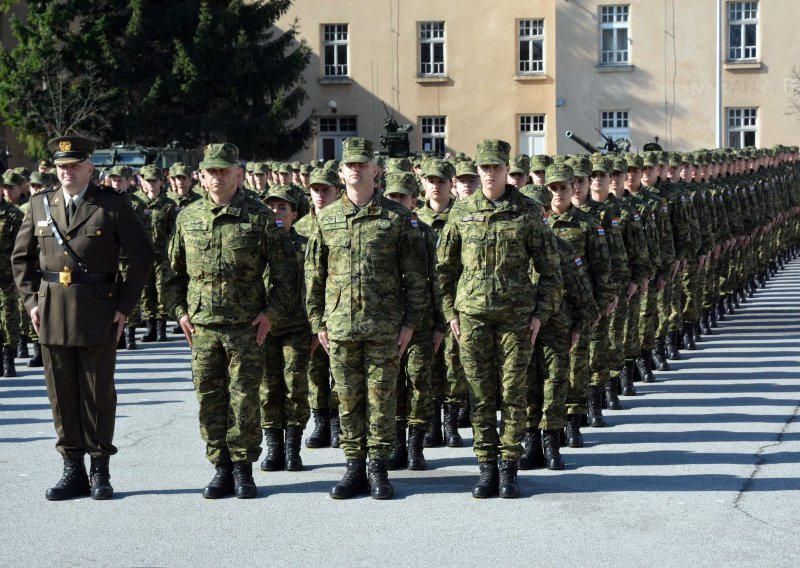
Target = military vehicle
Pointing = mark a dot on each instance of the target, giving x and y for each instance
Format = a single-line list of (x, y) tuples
[(120, 154)]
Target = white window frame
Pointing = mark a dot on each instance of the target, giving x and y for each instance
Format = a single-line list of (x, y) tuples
[(615, 123), (741, 122), (430, 35), (614, 20), (336, 36), (741, 17), (530, 33), (531, 130), (433, 134), (336, 129)]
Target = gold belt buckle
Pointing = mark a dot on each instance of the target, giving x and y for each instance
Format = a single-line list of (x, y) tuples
[(65, 277)]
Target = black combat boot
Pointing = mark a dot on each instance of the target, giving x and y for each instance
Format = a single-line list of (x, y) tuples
[(294, 436), (463, 414), (671, 346), (698, 337), (100, 478), (244, 487), (705, 324), (610, 392), (752, 286), (416, 460), (130, 339), (73, 483), (161, 330), (222, 483), (276, 454), (658, 357), (489, 482), (434, 438), (719, 309), (712, 318), (151, 334), (595, 408), (321, 436), (9, 370), (688, 336), (532, 453), (451, 436), (508, 489), (334, 428), (552, 442), (36, 360), (22, 347), (727, 306), (398, 459), (626, 379), (740, 297), (177, 330), (354, 482), (379, 485), (647, 376)]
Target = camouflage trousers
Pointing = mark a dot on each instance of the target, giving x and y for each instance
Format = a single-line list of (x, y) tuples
[(599, 347), (616, 337), (321, 386), (579, 375), (414, 395), (448, 383), (284, 386), (548, 377), (631, 340), (153, 306), (366, 383), (664, 309), (710, 285), (495, 356), (693, 278), (648, 318), (136, 313), (227, 368), (25, 323), (9, 315), (676, 303)]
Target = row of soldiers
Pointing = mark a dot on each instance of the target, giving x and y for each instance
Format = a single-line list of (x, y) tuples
[(542, 287)]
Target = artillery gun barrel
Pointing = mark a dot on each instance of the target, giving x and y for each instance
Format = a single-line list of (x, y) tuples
[(581, 142)]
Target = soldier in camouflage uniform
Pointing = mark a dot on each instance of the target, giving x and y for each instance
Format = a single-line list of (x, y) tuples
[(485, 254), (10, 222), (260, 180), (366, 291), (415, 395), (286, 177), (284, 388), (159, 216), (518, 167), (182, 194), (466, 178), (321, 386), (222, 246)]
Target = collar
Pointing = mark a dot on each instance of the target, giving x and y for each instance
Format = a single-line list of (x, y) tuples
[(76, 198)]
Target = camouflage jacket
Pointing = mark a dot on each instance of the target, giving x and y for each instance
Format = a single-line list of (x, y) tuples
[(159, 221), (181, 201), (10, 222), (364, 270), (218, 257), (618, 254), (486, 256)]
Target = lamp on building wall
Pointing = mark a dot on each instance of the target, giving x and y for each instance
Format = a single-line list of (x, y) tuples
[(332, 106)]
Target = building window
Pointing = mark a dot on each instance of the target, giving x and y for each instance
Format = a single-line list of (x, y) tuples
[(531, 134), (433, 134), (531, 46), (331, 132), (742, 127), (614, 35), (431, 48), (334, 43), (614, 124), (742, 31)]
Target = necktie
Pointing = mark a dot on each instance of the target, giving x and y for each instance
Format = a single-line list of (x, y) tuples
[(70, 211)]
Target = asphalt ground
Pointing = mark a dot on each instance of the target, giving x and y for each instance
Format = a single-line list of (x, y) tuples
[(700, 469)]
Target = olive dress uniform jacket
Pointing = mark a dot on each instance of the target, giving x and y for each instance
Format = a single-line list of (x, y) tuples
[(103, 227)]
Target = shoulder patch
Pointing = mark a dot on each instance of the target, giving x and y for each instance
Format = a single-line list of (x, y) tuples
[(414, 222), (578, 261), (636, 217), (601, 231)]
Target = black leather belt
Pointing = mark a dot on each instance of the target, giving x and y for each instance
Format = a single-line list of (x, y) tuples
[(76, 277)]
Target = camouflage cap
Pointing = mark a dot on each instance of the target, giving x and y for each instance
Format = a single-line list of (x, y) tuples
[(581, 166), (466, 168), (438, 168), (331, 165), (356, 150), (558, 172), (619, 164), (324, 176), (38, 178), (305, 169), (650, 159), (519, 164), (70, 149), (399, 164), (180, 169), (122, 171), (404, 183), (600, 163), (634, 161), (284, 193), (24, 172), (150, 172), (248, 167), (282, 168), (674, 160), (540, 162), (224, 155), (687, 158), (492, 151), (260, 168), (10, 178), (296, 166)]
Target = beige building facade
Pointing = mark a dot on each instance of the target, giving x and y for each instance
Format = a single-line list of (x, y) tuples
[(526, 72)]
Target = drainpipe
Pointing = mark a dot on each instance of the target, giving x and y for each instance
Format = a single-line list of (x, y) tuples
[(719, 75)]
